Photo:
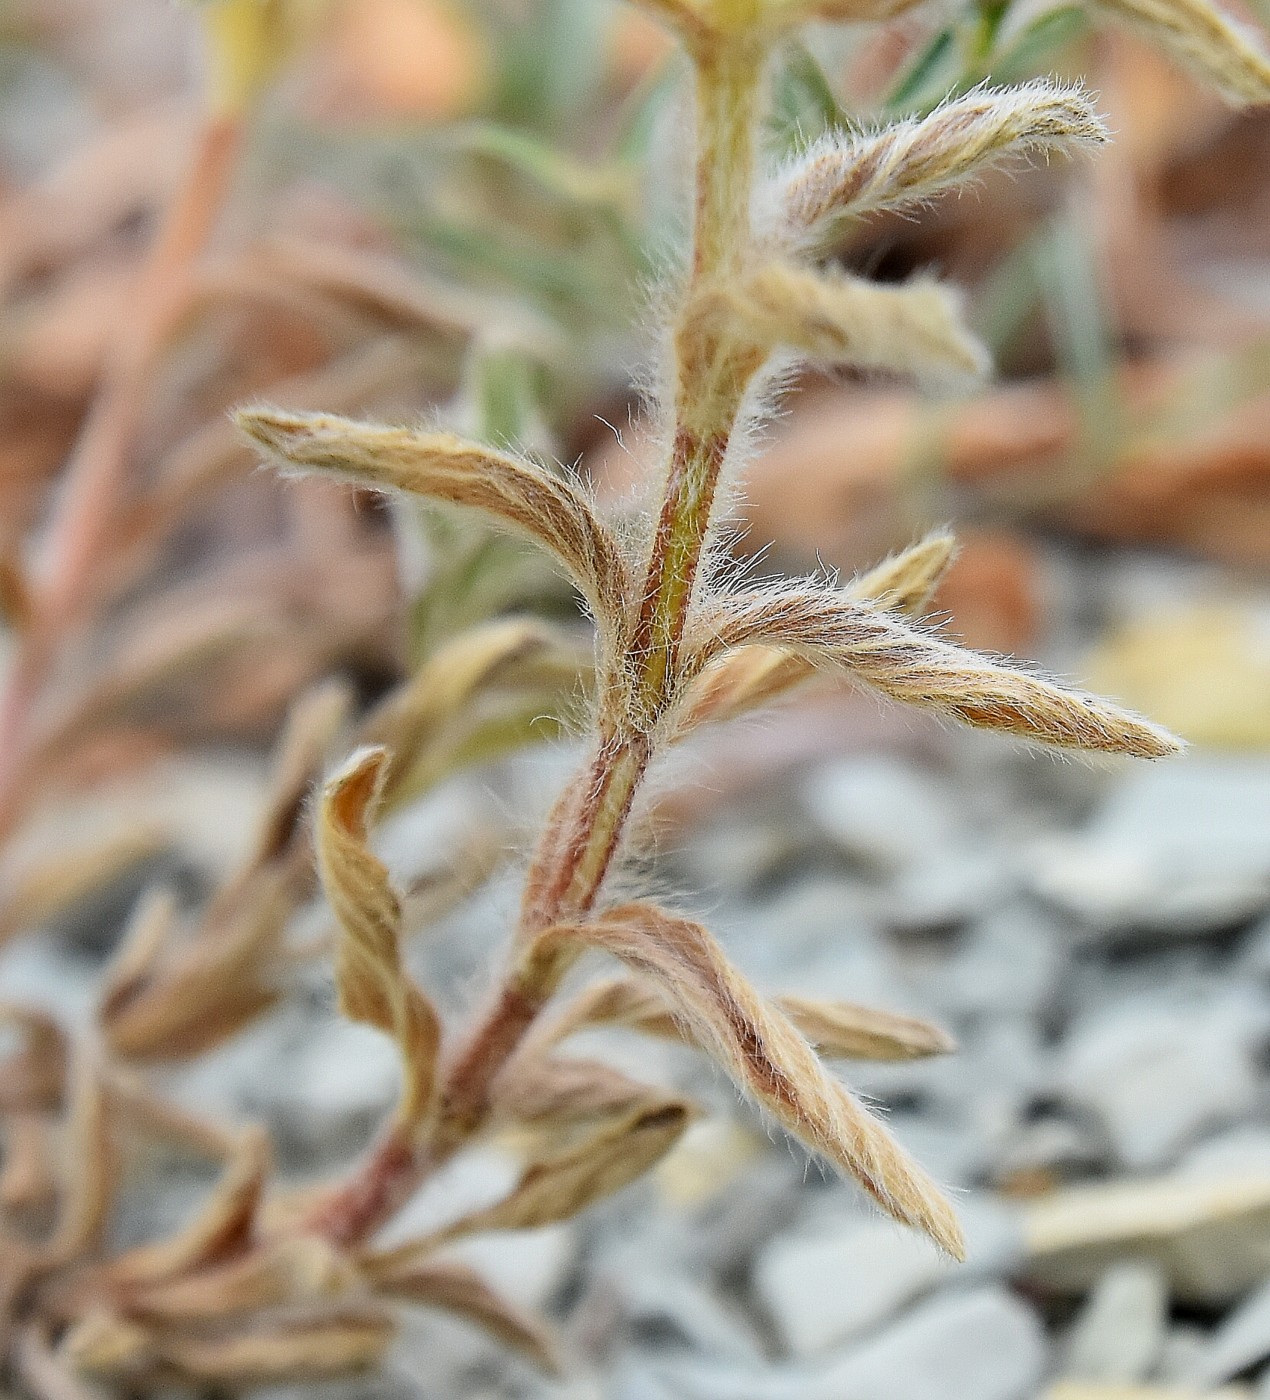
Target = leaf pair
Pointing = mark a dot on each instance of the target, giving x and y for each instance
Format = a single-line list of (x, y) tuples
[(835, 1029), (919, 668), (154, 1003), (765, 1053), (738, 681)]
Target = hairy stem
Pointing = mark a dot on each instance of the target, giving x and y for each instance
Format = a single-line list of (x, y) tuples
[(712, 373), (585, 829)]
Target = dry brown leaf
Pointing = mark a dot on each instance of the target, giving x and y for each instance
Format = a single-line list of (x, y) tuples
[(295, 1270), (743, 680), (336, 1342), (44, 885), (294, 1348), (374, 986), (838, 1029), (28, 1178), (148, 930), (167, 1014), (90, 1163), (842, 1030), (521, 496), (766, 1056), (312, 725), (421, 715), (222, 1227), (33, 1078), (558, 1184), (563, 1095), (455, 1288), (919, 668)]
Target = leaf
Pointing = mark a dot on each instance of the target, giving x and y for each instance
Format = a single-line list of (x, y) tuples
[(374, 986), (455, 1288), (314, 1345), (608, 187), (288, 1270), (222, 1227), (39, 888), (906, 582), (935, 70), (1204, 40), (90, 1162), (561, 1094), (910, 161), (1021, 48), (28, 1179), (835, 1028), (557, 1185), (520, 495), (138, 951), (167, 1014), (921, 669), (803, 102), (312, 724), (915, 329), (766, 1056), (842, 1030), (440, 705), (741, 680)]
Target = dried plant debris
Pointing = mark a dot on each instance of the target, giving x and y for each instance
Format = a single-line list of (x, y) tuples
[(261, 1285)]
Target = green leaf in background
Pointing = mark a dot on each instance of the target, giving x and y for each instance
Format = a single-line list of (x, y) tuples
[(934, 73), (550, 60), (1066, 265), (803, 102), (1029, 42), (605, 187), (995, 42)]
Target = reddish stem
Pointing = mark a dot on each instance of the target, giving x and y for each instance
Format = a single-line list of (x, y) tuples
[(85, 512)]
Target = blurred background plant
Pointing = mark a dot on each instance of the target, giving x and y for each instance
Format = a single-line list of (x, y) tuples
[(402, 207)]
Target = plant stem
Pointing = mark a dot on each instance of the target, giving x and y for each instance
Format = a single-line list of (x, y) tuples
[(585, 829), (86, 512)]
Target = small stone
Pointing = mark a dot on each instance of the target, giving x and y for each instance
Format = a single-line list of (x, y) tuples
[(1242, 1149), (1183, 1346), (824, 1287), (1156, 1075), (1241, 1341), (982, 1344), (882, 812), (1050, 1145), (665, 1310), (1178, 849), (1209, 1234), (948, 890), (1012, 962), (1254, 952), (1121, 1328)]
